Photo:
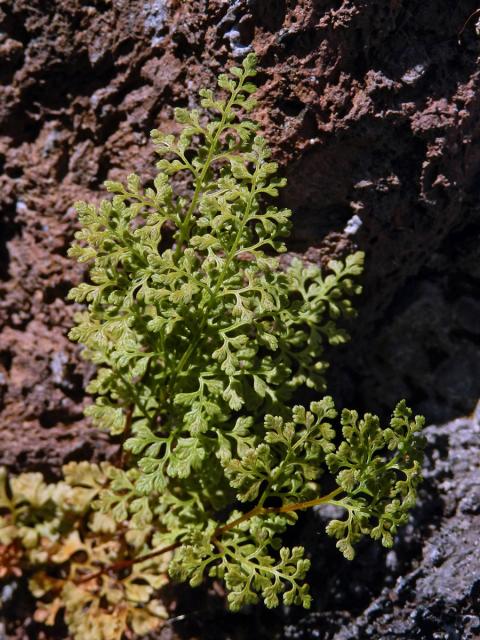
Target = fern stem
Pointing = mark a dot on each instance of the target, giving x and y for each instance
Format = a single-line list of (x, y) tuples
[(256, 511), (125, 564), (231, 254), (201, 178), (286, 508), (298, 506)]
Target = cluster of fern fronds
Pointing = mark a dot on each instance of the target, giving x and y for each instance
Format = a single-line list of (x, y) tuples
[(50, 535), (201, 340)]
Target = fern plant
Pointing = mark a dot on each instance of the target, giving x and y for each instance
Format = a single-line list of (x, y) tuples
[(201, 339), (50, 535)]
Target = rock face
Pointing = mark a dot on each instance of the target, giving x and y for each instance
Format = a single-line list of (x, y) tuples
[(372, 109)]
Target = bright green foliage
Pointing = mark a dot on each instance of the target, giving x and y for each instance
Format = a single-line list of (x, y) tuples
[(288, 458), (189, 317), (380, 489), (198, 333), (377, 474), (50, 533)]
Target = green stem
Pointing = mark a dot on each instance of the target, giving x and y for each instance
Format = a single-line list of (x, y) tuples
[(185, 228), (286, 508), (201, 178), (194, 344), (256, 511)]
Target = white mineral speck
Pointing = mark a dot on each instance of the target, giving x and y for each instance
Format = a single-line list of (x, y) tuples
[(353, 225)]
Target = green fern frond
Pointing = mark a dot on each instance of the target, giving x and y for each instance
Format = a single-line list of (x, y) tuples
[(201, 339)]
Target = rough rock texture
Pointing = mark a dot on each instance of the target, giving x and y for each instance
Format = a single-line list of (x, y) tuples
[(372, 108), (427, 346)]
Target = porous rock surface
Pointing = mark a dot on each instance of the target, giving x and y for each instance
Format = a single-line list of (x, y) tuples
[(372, 109)]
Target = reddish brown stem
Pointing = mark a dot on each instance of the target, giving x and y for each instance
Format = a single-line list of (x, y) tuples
[(256, 511), (124, 564)]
